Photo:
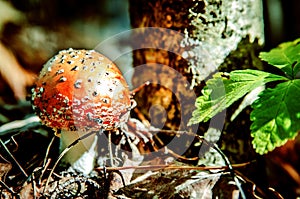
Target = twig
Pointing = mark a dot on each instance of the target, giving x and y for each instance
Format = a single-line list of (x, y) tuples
[(14, 159), (214, 146), (7, 187), (48, 150), (110, 149), (33, 183), (45, 166), (172, 167), (134, 91), (227, 162)]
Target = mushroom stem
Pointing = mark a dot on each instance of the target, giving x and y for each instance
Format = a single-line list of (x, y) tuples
[(82, 155)]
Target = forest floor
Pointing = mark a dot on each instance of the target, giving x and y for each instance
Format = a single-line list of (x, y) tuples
[(27, 159)]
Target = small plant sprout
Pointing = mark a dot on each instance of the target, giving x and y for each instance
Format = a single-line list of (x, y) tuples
[(276, 111)]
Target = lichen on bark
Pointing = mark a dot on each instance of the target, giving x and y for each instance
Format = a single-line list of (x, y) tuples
[(215, 30)]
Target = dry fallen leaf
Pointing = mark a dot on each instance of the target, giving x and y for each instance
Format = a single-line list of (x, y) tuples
[(14, 74)]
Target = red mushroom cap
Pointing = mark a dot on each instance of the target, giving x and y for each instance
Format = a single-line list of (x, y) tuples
[(81, 89)]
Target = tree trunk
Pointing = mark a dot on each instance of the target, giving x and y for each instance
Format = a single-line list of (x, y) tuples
[(196, 39)]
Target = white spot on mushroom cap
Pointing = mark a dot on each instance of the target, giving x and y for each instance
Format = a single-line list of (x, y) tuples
[(66, 100), (85, 99), (76, 111), (70, 62), (76, 102), (62, 79), (60, 71), (78, 83)]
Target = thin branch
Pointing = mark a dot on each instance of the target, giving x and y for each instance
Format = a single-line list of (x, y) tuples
[(14, 159), (173, 167)]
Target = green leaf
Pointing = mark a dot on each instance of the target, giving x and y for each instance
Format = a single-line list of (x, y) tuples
[(286, 57), (276, 116), (224, 89)]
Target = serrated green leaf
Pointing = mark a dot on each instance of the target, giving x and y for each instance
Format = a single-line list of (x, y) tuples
[(286, 57), (276, 116), (224, 89)]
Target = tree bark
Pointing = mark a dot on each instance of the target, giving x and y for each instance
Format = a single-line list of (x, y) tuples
[(214, 35)]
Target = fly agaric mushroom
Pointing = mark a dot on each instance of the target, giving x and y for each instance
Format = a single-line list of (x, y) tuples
[(80, 91)]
